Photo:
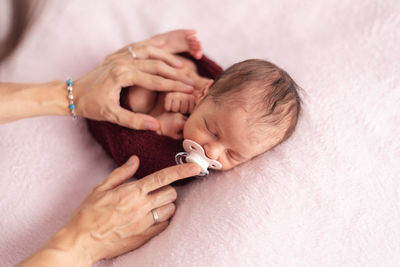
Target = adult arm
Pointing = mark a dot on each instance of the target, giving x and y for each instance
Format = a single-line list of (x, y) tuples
[(96, 94), (114, 218)]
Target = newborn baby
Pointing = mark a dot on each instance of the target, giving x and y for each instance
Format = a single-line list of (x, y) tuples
[(249, 109)]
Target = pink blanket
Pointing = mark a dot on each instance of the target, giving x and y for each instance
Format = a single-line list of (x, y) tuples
[(329, 196)]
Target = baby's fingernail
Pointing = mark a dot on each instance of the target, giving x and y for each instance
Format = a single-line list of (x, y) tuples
[(150, 125), (132, 161), (189, 81)]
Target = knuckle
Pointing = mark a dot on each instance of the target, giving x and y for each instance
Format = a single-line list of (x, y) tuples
[(158, 83), (109, 58), (159, 178), (160, 67), (181, 171), (97, 188), (104, 113), (117, 69), (148, 49)]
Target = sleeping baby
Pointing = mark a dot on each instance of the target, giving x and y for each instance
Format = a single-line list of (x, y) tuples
[(247, 110)]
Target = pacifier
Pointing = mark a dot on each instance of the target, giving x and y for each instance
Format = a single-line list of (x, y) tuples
[(195, 153)]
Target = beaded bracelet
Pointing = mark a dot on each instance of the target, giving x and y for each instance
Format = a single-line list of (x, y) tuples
[(71, 98)]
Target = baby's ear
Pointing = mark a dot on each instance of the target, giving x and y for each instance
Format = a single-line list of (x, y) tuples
[(200, 94)]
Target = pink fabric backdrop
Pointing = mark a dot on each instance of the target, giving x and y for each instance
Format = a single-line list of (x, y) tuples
[(329, 196)]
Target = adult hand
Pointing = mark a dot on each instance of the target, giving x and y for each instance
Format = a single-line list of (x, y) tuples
[(97, 93), (115, 217)]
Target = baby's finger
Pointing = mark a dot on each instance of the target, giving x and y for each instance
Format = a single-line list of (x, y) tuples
[(185, 105), (176, 103), (168, 102), (191, 105)]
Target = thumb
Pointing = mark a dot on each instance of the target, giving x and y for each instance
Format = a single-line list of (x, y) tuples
[(137, 121), (121, 174)]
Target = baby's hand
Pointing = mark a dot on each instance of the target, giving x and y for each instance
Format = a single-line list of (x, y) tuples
[(171, 124), (179, 102)]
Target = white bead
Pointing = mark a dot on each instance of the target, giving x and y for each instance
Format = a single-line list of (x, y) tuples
[(69, 88), (70, 96)]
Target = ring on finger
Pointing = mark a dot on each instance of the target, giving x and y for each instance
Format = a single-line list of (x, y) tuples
[(134, 56), (155, 216)]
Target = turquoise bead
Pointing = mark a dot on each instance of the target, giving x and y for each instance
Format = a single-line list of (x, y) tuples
[(69, 82), (72, 106)]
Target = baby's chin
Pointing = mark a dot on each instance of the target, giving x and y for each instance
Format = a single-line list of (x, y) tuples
[(184, 134)]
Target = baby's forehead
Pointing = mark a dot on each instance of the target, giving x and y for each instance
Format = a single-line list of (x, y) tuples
[(243, 126)]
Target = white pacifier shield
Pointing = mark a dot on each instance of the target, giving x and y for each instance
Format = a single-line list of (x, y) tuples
[(195, 153)]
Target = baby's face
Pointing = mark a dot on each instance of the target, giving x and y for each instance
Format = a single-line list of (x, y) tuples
[(224, 134)]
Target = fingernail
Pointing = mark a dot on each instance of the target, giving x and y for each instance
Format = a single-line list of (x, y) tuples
[(194, 169), (132, 161), (189, 81), (178, 63), (189, 88), (150, 125), (171, 208)]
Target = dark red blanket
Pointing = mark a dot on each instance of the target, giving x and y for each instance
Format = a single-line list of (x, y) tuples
[(154, 151)]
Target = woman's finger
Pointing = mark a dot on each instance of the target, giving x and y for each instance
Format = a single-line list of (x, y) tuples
[(163, 214), (155, 229), (161, 68), (120, 175), (166, 176), (156, 83), (132, 120), (132, 241), (162, 196), (151, 42), (147, 51)]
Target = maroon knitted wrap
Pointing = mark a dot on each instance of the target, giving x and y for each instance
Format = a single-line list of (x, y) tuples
[(154, 151)]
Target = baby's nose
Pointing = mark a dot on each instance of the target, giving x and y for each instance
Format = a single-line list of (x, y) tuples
[(213, 150)]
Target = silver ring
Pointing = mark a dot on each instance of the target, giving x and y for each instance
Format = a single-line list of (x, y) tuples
[(134, 56), (155, 216)]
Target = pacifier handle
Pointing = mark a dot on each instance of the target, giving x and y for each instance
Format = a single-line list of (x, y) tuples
[(195, 153)]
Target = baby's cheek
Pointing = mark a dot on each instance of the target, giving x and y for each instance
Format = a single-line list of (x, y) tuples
[(226, 165)]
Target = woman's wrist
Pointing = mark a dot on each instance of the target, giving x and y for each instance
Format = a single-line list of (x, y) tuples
[(69, 243), (63, 249), (20, 101)]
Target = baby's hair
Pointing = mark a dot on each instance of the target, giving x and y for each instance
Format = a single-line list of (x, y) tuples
[(270, 93)]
